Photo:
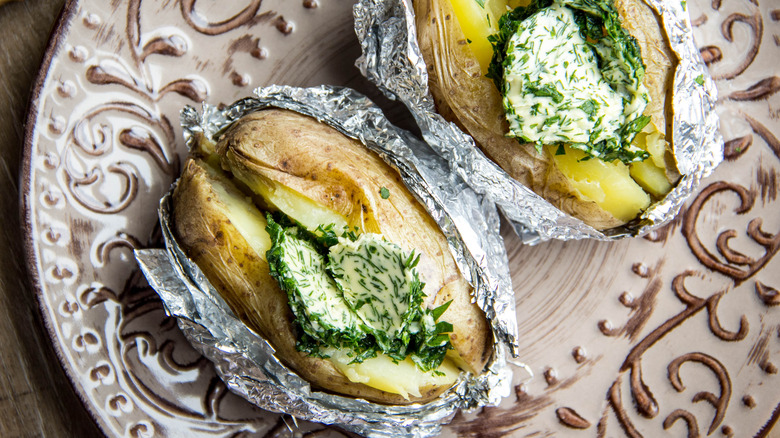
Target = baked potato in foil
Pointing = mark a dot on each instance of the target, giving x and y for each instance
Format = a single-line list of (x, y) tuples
[(276, 179), (457, 39)]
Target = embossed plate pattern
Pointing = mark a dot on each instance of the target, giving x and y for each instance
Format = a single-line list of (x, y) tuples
[(677, 332)]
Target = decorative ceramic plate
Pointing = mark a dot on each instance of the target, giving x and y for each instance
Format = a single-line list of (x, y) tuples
[(676, 333)]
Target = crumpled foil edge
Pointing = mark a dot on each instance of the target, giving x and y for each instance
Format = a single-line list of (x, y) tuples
[(391, 59), (246, 362)]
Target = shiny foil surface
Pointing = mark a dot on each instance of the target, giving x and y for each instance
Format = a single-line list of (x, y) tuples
[(392, 60), (246, 362)]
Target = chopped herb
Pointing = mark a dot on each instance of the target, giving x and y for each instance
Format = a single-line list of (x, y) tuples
[(481, 3), (560, 150), (547, 90), (699, 79), (437, 312), (551, 120), (590, 107), (384, 193)]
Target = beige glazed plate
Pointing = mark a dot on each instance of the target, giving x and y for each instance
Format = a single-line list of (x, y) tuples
[(676, 334)]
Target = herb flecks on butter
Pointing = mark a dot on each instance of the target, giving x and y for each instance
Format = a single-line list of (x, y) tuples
[(378, 281), (314, 297), (570, 74), (554, 88), (356, 292)]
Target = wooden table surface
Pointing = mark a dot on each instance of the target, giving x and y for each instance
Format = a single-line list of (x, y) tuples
[(36, 398)]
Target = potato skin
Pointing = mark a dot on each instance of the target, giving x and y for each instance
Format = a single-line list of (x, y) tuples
[(464, 96), (342, 174)]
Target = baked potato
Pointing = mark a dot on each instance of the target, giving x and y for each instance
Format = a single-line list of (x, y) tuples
[(457, 39), (274, 164)]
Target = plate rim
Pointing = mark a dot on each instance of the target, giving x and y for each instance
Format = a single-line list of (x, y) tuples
[(53, 47)]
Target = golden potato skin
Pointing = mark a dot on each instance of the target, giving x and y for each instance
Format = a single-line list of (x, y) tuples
[(323, 165), (216, 246), (463, 95)]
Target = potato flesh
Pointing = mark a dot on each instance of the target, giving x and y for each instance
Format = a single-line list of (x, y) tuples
[(612, 187), (295, 205), (651, 178), (307, 212), (608, 184), (247, 219), (404, 378), (478, 24), (651, 173)]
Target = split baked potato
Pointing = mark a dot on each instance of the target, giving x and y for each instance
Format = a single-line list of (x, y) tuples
[(453, 36), (276, 162)]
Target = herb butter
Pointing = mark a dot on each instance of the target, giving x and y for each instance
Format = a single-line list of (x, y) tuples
[(554, 90), (358, 293), (317, 295), (570, 75), (377, 282)]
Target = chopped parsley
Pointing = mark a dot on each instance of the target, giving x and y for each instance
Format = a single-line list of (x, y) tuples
[(356, 292), (590, 107), (547, 90), (384, 193), (699, 79)]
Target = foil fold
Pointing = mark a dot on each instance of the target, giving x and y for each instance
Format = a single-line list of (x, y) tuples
[(391, 59), (246, 362)]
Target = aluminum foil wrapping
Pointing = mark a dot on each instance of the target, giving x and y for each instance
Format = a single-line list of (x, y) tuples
[(246, 362), (392, 60)]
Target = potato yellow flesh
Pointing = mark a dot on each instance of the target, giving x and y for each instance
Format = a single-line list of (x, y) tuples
[(652, 140), (303, 209), (309, 213), (651, 178), (609, 185), (478, 24), (403, 378), (243, 214), (651, 173)]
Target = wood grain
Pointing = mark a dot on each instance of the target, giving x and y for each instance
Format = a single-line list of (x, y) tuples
[(36, 398)]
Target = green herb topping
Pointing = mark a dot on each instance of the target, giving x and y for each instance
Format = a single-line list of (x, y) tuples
[(357, 292), (570, 74), (384, 193)]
